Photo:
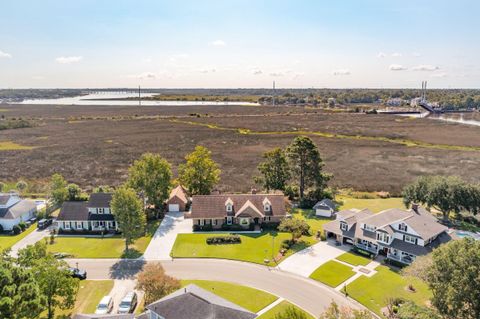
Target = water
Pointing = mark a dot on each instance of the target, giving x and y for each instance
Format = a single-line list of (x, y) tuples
[(461, 118), (463, 234), (104, 98)]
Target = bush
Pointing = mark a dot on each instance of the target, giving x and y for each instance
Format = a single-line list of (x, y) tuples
[(233, 227), (22, 226), (224, 240), (363, 252), (269, 225), (202, 228), (286, 244), (16, 229), (394, 262), (1, 229)]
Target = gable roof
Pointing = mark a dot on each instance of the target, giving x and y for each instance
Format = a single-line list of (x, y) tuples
[(248, 209), (325, 202), (195, 302), (73, 211), (180, 193), (213, 206), (4, 199), (18, 209), (101, 200)]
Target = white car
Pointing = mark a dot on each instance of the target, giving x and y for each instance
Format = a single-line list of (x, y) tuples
[(128, 303), (105, 306)]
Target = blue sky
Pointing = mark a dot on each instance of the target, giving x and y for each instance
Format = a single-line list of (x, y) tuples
[(350, 43)]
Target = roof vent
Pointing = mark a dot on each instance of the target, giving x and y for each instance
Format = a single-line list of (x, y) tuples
[(415, 207)]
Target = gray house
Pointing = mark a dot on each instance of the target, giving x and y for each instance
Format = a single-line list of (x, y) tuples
[(14, 210), (324, 208)]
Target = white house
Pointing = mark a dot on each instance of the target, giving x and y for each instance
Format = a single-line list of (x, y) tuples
[(14, 210), (324, 208)]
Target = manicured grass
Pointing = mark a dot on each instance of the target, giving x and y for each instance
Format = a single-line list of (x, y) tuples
[(281, 307), (108, 247), (332, 273), (89, 295), (316, 223), (375, 291), (11, 146), (7, 241), (375, 205), (254, 248), (354, 259), (251, 299)]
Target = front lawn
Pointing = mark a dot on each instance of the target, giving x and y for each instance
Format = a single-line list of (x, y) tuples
[(375, 205), (374, 292), (315, 223), (7, 241), (108, 247), (332, 273), (281, 307), (254, 248), (89, 295), (251, 299), (354, 259)]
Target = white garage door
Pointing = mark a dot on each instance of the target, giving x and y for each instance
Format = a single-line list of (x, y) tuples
[(173, 207)]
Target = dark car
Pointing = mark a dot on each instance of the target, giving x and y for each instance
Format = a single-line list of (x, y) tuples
[(44, 223), (78, 273)]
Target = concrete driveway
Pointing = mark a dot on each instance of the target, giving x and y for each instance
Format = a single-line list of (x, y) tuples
[(164, 238), (306, 261), (120, 289), (30, 239)]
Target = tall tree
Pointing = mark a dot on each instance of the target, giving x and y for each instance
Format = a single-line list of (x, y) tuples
[(58, 189), (200, 173), (274, 169), (128, 212), (73, 191), (155, 283), (336, 312), (151, 176), (452, 274), (21, 186), (295, 226), (291, 313), (306, 164), (20, 296)]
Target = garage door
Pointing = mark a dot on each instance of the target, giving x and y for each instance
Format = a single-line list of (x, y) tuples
[(173, 207)]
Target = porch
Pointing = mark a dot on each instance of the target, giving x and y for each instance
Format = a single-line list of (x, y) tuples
[(366, 245)]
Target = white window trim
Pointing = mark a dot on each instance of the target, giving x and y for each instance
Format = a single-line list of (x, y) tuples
[(344, 226), (229, 220), (66, 225), (410, 239)]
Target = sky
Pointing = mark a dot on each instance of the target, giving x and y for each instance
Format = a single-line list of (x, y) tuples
[(239, 44)]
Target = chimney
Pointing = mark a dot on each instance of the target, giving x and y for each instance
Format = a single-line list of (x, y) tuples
[(415, 207), (253, 191)]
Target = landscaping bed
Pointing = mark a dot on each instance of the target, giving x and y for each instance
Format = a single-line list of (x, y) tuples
[(332, 273)]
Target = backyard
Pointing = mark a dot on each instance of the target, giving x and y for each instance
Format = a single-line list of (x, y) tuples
[(107, 247), (374, 204), (253, 248), (7, 241), (315, 223)]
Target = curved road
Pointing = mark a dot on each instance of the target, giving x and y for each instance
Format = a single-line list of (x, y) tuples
[(306, 293)]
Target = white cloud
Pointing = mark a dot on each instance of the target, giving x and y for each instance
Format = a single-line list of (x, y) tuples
[(416, 54), (257, 72), (207, 70), (396, 54), (38, 77), (69, 59), (144, 76), (298, 75), (148, 60), (381, 55), (396, 67), (5, 55), (425, 67), (439, 75), (176, 57), (276, 74), (341, 72), (218, 43)]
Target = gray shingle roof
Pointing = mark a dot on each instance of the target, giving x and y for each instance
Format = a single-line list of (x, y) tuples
[(18, 209), (194, 302), (73, 211), (108, 316), (101, 200), (325, 202), (4, 198)]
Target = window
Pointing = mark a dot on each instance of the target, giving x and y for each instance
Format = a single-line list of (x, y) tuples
[(410, 239), (208, 221), (201, 222), (67, 225), (79, 225), (343, 226), (100, 210), (266, 207), (229, 220), (383, 237), (229, 207), (402, 227), (369, 227), (214, 222)]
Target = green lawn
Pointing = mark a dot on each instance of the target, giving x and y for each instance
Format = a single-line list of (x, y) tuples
[(7, 241), (108, 247), (280, 308), (316, 223), (254, 247), (332, 273), (354, 259), (374, 292), (375, 205), (88, 297), (251, 299)]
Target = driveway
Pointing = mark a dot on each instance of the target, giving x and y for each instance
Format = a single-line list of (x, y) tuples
[(30, 239), (164, 238), (306, 261), (120, 289), (305, 293)]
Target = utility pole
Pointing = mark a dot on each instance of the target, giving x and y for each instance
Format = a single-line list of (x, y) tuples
[(139, 97), (273, 97)]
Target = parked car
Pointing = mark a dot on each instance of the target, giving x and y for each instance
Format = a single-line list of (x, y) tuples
[(128, 303), (44, 223), (105, 306), (78, 273)]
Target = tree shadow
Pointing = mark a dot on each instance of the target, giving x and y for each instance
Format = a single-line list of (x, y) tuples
[(132, 253), (126, 269)]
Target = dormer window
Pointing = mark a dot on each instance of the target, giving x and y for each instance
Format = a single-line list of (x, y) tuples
[(266, 207), (402, 227), (343, 226), (229, 205), (229, 208)]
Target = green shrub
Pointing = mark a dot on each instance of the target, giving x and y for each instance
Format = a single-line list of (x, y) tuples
[(22, 226), (16, 229), (269, 225), (224, 240), (202, 228)]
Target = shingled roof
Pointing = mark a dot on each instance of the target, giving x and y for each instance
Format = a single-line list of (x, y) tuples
[(180, 193), (213, 206), (101, 200), (17, 209), (73, 211)]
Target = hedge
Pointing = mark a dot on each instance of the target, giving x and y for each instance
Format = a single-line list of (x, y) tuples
[(224, 240)]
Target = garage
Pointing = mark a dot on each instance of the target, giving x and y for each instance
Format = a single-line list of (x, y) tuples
[(173, 207)]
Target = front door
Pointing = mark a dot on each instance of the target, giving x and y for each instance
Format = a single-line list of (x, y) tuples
[(255, 220)]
